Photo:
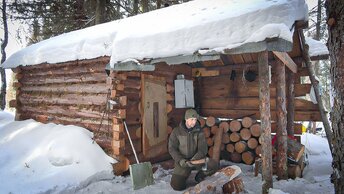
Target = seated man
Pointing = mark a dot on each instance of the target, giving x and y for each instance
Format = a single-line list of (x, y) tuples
[(187, 143)]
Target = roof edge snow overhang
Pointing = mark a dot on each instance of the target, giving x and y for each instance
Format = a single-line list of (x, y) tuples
[(271, 44)]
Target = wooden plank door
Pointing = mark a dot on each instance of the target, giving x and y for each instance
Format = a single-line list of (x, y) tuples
[(154, 116)]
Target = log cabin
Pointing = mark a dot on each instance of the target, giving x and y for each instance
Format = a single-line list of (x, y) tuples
[(223, 58)]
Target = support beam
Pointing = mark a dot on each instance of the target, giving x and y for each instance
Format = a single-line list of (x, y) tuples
[(290, 102), (281, 132), (285, 58), (316, 87), (265, 117)]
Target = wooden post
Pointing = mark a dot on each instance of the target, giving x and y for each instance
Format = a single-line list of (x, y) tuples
[(315, 85), (290, 103), (281, 131), (265, 117)]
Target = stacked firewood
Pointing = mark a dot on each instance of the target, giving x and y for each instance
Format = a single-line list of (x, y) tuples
[(239, 142)]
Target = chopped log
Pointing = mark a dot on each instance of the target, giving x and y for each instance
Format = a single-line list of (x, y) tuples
[(234, 186), (225, 138), (206, 131), (247, 122), (216, 182), (258, 150), (217, 144), (225, 126), (214, 129), (234, 137), (210, 121), (235, 126), (240, 146), (202, 122), (230, 148), (255, 130), (121, 166), (295, 149), (236, 157), (252, 143), (248, 157), (245, 134), (210, 141), (294, 171)]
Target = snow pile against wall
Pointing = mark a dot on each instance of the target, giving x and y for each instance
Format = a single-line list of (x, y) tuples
[(176, 30), (36, 157)]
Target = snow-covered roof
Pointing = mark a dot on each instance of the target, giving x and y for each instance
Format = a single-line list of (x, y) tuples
[(199, 26), (316, 48)]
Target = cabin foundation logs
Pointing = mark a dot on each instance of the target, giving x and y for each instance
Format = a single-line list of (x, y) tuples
[(240, 142)]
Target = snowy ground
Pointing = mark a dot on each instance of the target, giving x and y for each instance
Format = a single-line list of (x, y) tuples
[(51, 158)]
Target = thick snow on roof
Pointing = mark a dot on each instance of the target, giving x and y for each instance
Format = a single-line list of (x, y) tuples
[(316, 48), (182, 29)]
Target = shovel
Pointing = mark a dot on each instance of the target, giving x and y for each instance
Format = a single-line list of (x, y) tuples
[(141, 173)]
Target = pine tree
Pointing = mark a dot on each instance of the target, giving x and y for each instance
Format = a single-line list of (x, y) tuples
[(335, 21)]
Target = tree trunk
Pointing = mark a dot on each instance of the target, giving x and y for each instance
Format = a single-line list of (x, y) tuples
[(265, 117), (100, 12), (281, 131), (336, 47), (3, 57)]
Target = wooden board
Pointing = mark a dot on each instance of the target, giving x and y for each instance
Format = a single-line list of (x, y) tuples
[(154, 116)]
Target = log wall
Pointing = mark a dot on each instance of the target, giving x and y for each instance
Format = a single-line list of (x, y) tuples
[(77, 93), (226, 93)]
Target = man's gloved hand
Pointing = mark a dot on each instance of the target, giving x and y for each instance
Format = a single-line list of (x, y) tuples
[(185, 163)]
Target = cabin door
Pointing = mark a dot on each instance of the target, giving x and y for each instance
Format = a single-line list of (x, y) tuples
[(154, 116)]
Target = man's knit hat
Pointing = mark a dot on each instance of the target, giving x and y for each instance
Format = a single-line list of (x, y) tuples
[(191, 113)]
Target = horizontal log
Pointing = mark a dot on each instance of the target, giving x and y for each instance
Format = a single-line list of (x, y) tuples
[(235, 126), (255, 130), (245, 134), (235, 114), (252, 103), (63, 99), (230, 148), (91, 124), (63, 70), (95, 88), (240, 146), (234, 137), (247, 122), (82, 78), (67, 111), (210, 121), (233, 90), (252, 143), (248, 157), (96, 61)]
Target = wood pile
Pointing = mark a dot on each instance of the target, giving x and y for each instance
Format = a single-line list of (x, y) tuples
[(239, 139)]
